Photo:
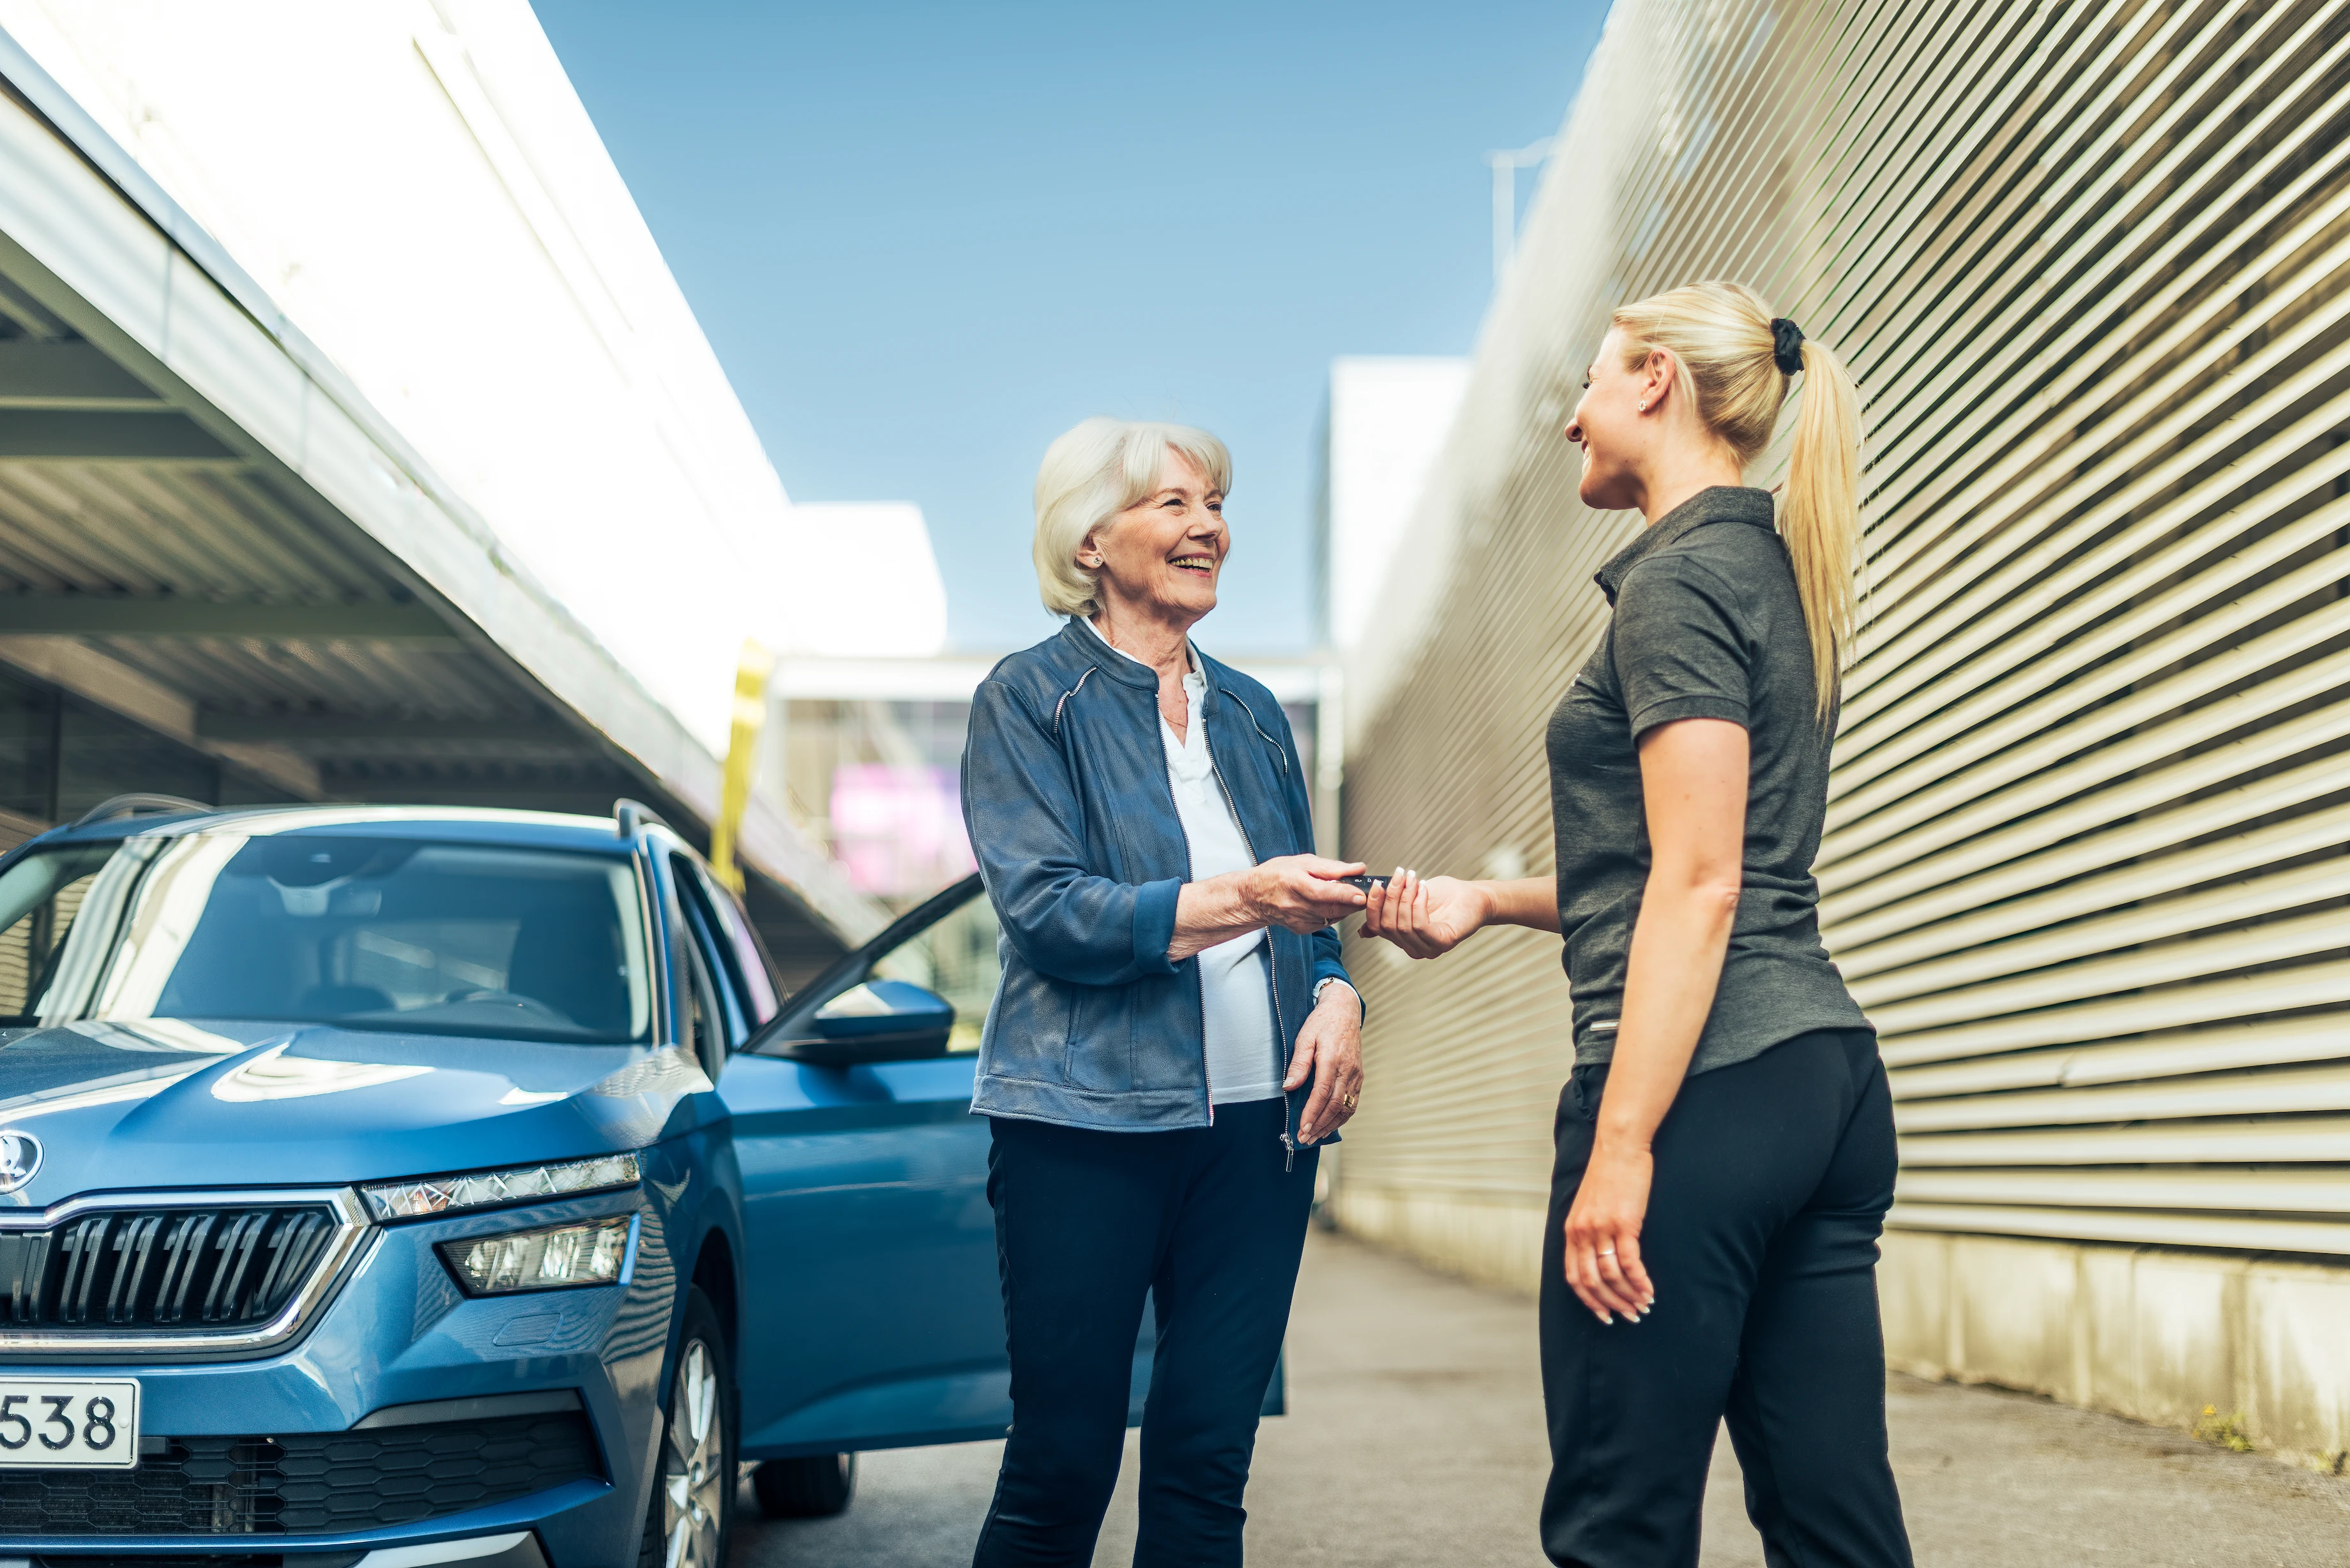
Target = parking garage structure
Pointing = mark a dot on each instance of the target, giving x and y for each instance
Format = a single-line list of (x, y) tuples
[(225, 574)]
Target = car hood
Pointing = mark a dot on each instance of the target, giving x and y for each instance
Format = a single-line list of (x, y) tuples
[(163, 1103)]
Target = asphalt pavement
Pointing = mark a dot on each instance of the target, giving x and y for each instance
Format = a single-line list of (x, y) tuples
[(1416, 1438)]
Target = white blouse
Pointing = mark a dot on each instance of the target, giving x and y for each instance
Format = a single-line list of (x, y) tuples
[(1235, 992)]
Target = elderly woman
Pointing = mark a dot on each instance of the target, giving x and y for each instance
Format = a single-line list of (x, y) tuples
[(1174, 1033)]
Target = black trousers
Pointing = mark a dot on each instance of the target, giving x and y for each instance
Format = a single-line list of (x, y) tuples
[(1207, 1223), (1773, 1178)]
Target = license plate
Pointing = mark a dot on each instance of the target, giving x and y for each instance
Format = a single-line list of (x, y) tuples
[(69, 1423)]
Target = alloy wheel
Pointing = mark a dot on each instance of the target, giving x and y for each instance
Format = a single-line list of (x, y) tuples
[(696, 1470)]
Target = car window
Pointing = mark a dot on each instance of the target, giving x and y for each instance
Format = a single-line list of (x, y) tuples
[(705, 1030), (955, 957), (741, 957), (40, 898), (712, 972), (395, 934)]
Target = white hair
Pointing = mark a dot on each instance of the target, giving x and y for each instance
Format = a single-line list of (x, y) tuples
[(1090, 476)]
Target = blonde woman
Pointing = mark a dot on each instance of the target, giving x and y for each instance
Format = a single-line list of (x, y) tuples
[(1725, 1150), (1172, 1037)]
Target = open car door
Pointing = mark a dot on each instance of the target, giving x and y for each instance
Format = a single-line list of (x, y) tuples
[(872, 1316)]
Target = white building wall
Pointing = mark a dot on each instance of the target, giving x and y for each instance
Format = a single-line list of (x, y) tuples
[(888, 601), (1389, 417)]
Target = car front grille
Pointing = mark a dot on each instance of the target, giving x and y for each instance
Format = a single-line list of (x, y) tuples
[(178, 1269), (208, 1560), (315, 1483)]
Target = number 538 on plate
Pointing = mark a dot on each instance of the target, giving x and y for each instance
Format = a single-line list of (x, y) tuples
[(69, 1423)]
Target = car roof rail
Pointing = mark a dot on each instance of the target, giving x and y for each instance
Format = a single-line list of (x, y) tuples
[(138, 805), (629, 816)]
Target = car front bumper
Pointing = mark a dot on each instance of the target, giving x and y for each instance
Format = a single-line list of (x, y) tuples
[(411, 1424)]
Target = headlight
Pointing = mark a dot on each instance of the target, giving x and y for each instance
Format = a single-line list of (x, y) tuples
[(439, 1194), (555, 1257)]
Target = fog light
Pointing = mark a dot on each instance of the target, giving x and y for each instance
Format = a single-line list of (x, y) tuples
[(557, 1258)]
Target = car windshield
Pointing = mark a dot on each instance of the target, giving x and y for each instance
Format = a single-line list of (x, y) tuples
[(365, 933)]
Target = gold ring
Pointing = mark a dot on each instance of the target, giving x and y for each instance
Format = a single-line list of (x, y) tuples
[(1353, 1100)]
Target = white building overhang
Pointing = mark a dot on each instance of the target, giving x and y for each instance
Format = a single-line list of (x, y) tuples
[(205, 527)]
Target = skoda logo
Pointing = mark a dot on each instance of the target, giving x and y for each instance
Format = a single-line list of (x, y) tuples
[(20, 1157)]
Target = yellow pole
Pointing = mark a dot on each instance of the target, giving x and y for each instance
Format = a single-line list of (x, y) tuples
[(742, 760)]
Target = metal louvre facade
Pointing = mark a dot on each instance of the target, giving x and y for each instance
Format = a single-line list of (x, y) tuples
[(2087, 863)]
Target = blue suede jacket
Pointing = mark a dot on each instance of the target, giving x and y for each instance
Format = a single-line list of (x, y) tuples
[(1064, 790)]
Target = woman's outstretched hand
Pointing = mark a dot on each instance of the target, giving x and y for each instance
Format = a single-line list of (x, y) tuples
[(1301, 892), (1603, 1232), (1427, 918), (1329, 1051)]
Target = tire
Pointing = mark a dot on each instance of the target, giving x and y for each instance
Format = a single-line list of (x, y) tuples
[(690, 1518), (817, 1486)]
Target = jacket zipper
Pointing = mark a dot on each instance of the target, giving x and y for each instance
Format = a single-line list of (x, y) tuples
[(1272, 963), (1199, 984), (1198, 977)]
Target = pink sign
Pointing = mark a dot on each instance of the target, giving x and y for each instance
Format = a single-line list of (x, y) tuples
[(898, 830)]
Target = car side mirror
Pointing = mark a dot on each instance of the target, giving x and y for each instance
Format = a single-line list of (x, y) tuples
[(879, 1021)]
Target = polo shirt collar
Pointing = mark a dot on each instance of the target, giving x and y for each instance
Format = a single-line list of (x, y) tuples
[(1720, 503)]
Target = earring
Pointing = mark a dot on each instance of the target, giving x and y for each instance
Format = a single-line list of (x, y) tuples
[(1643, 407)]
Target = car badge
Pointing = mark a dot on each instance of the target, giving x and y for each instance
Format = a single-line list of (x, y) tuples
[(20, 1158)]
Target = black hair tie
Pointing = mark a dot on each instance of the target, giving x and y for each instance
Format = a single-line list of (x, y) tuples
[(1787, 346)]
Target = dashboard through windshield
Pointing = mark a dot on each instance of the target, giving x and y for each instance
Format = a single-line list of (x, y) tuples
[(395, 934)]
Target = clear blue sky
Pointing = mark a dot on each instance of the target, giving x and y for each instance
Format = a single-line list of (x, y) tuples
[(926, 238)]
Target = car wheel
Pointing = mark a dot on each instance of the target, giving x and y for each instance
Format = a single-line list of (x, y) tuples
[(692, 1513), (815, 1486)]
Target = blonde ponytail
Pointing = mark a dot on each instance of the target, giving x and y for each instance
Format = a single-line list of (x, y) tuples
[(1726, 344), (1819, 516)]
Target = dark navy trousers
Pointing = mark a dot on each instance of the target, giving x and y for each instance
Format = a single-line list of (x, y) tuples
[(1773, 1178), (1207, 1222)]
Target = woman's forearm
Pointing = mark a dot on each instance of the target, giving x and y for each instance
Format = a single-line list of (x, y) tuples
[(1529, 901), (1213, 911), (1679, 944)]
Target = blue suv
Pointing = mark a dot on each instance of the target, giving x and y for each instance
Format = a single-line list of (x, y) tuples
[(391, 1187)]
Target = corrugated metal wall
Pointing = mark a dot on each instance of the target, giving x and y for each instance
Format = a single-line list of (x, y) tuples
[(2089, 856)]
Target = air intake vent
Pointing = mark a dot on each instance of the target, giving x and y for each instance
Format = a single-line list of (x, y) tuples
[(163, 1269), (313, 1483)]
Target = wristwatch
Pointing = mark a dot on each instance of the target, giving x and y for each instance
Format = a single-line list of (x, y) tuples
[(1326, 983)]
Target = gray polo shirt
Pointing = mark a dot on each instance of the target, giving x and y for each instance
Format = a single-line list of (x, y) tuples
[(1707, 626)]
